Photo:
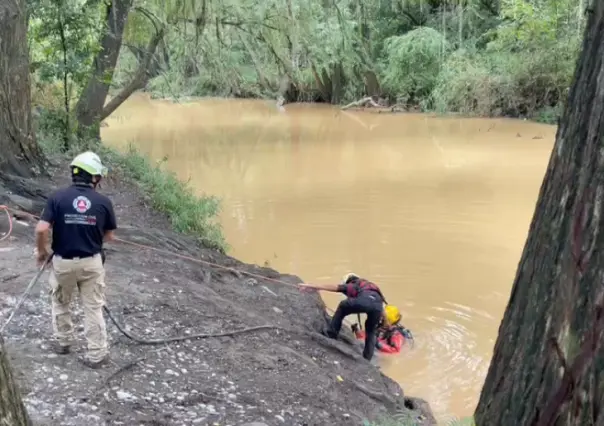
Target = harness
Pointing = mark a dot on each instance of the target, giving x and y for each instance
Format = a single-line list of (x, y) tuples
[(362, 286)]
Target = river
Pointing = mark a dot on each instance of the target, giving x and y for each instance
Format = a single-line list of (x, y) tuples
[(435, 210)]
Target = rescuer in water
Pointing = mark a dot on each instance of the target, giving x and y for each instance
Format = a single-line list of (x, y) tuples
[(362, 297), (81, 220), (387, 330)]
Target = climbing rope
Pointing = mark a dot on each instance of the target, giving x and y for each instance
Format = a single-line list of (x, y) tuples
[(203, 262), (10, 222), (114, 320), (31, 285), (129, 335), (172, 253), (169, 253), (141, 341)]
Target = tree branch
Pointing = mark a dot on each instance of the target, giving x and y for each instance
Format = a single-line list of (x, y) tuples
[(140, 77), (151, 16)]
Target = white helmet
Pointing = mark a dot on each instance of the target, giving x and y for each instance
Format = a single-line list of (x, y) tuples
[(89, 162), (349, 276)]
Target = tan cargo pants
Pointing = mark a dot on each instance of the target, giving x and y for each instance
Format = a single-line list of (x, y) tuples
[(88, 276)]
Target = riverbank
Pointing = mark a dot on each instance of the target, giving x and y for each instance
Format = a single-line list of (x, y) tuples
[(286, 375), (545, 115)]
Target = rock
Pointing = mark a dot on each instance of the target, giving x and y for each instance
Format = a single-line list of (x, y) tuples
[(277, 310), (422, 409), (125, 396), (21, 202), (280, 418), (63, 377)]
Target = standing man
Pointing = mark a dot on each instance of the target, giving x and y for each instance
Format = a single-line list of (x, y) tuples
[(362, 296), (81, 220)]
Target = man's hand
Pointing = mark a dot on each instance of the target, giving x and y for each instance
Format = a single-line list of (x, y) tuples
[(41, 256)]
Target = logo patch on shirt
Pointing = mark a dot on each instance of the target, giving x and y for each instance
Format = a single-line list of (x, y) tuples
[(81, 204)]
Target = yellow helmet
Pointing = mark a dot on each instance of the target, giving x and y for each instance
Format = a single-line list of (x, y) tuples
[(89, 162), (392, 314)]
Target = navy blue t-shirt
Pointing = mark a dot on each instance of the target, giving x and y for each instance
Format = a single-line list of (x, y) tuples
[(80, 217)]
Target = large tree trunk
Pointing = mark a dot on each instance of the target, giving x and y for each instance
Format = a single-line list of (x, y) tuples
[(92, 100), (19, 152), (548, 365), (12, 410)]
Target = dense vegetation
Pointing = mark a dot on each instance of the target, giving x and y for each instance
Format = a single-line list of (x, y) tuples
[(485, 57)]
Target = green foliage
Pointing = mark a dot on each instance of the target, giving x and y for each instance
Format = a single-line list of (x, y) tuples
[(62, 38), (514, 57), (188, 213), (413, 62)]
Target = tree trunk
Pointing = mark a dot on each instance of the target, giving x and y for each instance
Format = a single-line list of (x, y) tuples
[(372, 85), (20, 153), (93, 97), (12, 410), (547, 367)]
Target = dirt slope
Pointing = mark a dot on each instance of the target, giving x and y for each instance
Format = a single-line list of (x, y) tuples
[(276, 377)]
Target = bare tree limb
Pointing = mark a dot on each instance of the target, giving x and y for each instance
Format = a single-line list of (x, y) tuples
[(139, 80)]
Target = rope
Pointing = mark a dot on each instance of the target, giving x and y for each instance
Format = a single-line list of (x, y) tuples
[(139, 340), (204, 262), (130, 336), (10, 222), (31, 285), (172, 253), (158, 250)]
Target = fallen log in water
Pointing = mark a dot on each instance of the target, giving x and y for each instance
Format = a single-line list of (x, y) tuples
[(365, 102)]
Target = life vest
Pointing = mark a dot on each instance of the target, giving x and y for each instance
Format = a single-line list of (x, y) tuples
[(361, 286)]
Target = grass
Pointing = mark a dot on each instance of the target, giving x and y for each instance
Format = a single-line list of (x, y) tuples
[(188, 213)]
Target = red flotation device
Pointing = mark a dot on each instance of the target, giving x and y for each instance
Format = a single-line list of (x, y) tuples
[(398, 340)]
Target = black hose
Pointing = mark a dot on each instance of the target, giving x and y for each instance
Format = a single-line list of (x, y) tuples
[(183, 338)]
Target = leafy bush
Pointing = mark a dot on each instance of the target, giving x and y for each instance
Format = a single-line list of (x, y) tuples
[(413, 62)]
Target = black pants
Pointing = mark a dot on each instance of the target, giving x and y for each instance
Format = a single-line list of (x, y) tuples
[(368, 303)]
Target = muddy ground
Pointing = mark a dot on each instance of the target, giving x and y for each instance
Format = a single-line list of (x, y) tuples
[(287, 376)]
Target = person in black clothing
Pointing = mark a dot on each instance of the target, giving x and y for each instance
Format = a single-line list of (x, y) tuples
[(388, 328), (362, 297), (81, 220)]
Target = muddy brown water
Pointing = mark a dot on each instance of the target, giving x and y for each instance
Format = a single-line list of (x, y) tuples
[(435, 210)]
